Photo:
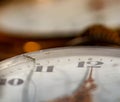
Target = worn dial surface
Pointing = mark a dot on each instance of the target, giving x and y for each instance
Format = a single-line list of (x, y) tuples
[(47, 75)]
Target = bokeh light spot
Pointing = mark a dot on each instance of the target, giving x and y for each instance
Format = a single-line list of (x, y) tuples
[(31, 46)]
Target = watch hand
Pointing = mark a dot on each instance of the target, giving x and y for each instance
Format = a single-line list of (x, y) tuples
[(90, 80), (83, 93), (25, 97)]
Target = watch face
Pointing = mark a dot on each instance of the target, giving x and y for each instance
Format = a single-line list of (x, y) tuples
[(51, 17), (62, 75)]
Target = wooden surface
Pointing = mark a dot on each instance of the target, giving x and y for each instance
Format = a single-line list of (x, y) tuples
[(97, 35), (12, 46)]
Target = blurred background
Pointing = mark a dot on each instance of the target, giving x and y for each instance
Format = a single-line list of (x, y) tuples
[(31, 25)]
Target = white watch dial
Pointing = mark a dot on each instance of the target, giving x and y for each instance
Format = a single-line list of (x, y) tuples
[(50, 74)]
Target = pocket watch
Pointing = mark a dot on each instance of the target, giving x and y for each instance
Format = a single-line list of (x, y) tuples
[(66, 74)]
